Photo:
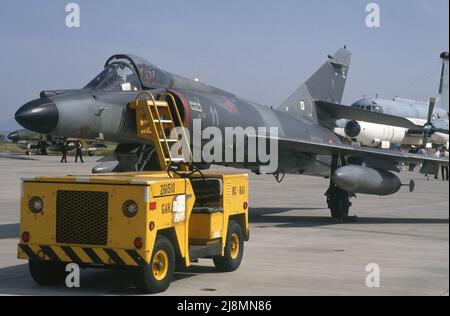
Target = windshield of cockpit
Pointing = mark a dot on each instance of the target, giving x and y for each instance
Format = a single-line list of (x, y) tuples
[(116, 77)]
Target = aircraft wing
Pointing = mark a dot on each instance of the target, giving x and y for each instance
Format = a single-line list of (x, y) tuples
[(295, 147), (339, 111)]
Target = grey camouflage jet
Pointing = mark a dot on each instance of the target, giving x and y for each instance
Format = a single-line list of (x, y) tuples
[(29, 141), (306, 143), (42, 143)]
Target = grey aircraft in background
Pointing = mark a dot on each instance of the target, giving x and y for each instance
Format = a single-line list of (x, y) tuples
[(434, 120), (30, 141), (41, 144), (305, 121)]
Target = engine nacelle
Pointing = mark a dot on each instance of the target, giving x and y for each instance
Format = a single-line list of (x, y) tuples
[(440, 139), (373, 135), (364, 180)]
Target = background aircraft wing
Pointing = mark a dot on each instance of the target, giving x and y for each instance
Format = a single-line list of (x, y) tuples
[(339, 111)]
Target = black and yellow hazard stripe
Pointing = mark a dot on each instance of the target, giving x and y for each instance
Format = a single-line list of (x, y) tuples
[(81, 255)]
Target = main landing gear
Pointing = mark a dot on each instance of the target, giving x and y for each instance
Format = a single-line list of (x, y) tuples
[(338, 200)]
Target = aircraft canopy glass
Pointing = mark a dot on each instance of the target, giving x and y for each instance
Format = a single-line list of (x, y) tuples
[(117, 76), (372, 108), (151, 77)]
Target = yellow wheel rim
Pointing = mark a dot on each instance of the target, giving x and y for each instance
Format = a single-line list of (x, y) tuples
[(234, 246), (160, 265)]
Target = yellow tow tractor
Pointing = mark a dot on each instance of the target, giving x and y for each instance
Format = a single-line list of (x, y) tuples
[(146, 222)]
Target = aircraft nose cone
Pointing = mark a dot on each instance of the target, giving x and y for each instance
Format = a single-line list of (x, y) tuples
[(14, 137), (40, 115)]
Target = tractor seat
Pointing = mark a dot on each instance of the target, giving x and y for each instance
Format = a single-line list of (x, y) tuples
[(208, 193)]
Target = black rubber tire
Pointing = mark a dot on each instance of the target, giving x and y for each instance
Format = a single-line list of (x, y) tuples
[(339, 204), (227, 263), (46, 273), (145, 281)]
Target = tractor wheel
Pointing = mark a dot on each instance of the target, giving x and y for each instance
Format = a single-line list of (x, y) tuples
[(157, 276), (234, 249)]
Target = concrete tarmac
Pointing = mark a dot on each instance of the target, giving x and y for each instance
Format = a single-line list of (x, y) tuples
[(295, 249)]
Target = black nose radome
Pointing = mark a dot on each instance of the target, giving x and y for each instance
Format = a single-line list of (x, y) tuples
[(40, 115), (352, 129), (14, 137)]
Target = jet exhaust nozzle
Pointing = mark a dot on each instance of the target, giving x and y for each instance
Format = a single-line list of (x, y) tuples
[(364, 180)]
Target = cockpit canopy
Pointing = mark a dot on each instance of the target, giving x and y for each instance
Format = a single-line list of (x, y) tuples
[(368, 105), (118, 76), (129, 73)]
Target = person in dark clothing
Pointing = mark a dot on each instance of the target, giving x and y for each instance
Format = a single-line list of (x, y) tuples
[(444, 169), (64, 152), (413, 166), (79, 152), (437, 154)]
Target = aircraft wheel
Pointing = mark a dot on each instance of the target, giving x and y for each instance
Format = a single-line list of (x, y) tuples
[(234, 249), (157, 276), (90, 153), (47, 273), (339, 203)]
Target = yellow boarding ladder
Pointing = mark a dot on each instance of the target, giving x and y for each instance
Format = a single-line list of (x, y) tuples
[(155, 123)]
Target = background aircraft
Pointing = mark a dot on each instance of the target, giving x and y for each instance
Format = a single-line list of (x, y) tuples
[(380, 135), (306, 143), (42, 143), (30, 141)]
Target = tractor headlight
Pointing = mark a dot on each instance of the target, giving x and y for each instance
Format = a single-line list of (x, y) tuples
[(130, 208), (35, 205)]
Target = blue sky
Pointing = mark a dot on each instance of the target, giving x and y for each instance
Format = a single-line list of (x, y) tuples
[(258, 49)]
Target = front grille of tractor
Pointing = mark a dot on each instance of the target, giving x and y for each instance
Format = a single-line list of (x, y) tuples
[(82, 218)]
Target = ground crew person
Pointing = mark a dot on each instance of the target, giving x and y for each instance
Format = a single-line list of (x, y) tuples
[(444, 169), (437, 154), (64, 152), (79, 152)]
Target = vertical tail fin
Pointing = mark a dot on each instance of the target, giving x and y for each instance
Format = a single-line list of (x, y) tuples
[(327, 84), (442, 99)]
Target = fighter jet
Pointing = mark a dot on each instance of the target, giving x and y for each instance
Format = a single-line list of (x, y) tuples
[(306, 142), (418, 112), (30, 141), (41, 144)]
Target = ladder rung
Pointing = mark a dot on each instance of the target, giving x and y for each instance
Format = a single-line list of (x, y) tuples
[(160, 104), (163, 121), (175, 159), (168, 140)]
